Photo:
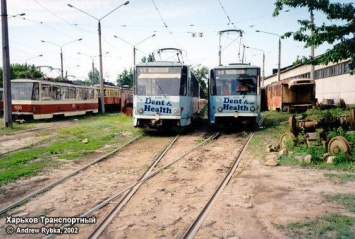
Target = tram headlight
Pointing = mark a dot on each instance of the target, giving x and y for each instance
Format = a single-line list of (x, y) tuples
[(175, 110), (252, 108), (220, 109), (140, 110)]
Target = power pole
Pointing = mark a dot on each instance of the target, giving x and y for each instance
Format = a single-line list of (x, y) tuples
[(312, 47), (6, 67)]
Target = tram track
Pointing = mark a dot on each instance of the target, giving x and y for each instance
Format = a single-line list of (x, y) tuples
[(122, 197), (57, 182), (196, 224), (149, 173), (33, 207), (109, 207), (23, 139)]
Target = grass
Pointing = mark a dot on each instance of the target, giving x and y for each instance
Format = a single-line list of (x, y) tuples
[(68, 145), (328, 226), (340, 177), (347, 200), (276, 124)]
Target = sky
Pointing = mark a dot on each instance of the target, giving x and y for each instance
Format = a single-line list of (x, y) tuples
[(190, 25)]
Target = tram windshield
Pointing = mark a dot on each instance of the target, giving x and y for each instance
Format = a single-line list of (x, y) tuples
[(157, 81), (22, 91), (234, 82)]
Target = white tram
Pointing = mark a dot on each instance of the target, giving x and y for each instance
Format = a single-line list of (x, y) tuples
[(234, 95), (166, 95)]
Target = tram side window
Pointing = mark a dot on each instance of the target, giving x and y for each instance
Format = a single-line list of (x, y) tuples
[(21, 91), (46, 91), (91, 94), (35, 95), (183, 84), (114, 93), (212, 86), (72, 93), (65, 93), (194, 86), (56, 92), (79, 93), (85, 94)]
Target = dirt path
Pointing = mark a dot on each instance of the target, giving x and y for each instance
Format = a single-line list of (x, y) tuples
[(256, 200)]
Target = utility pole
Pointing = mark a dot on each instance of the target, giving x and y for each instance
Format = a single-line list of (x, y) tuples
[(312, 47), (6, 67)]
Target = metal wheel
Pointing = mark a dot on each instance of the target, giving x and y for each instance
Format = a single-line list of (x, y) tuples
[(339, 144), (287, 141)]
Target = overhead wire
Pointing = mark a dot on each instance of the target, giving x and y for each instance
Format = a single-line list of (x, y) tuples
[(166, 26), (53, 13), (229, 20)]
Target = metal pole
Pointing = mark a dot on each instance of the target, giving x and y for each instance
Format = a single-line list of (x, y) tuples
[(220, 50), (61, 62), (6, 67), (92, 75), (102, 103), (243, 54), (263, 68), (134, 56), (312, 47)]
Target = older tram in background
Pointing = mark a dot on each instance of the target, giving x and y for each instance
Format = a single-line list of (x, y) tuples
[(166, 95), (291, 94), (40, 99), (234, 95), (117, 98)]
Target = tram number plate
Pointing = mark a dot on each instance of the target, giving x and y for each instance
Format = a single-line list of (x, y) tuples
[(235, 114)]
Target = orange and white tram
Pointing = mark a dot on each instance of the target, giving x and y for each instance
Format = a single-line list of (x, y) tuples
[(40, 99), (117, 98)]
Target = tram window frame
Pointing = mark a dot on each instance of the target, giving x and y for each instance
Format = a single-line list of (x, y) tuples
[(35, 91), (65, 92), (46, 91), (56, 92), (22, 91), (72, 93), (183, 81), (194, 86), (212, 84)]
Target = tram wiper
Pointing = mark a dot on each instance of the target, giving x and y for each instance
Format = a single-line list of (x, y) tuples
[(160, 89)]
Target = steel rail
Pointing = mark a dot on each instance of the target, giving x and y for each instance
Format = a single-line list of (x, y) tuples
[(129, 188), (107, 220), (195, 226), (99, 230), (20, 201), (152, 174)]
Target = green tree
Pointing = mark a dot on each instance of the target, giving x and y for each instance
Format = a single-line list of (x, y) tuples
[(126, 78), (201, 74), (150, 58), (331, 33), (96, 76), (22, 71)]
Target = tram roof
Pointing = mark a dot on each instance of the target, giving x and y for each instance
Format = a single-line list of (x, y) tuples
[(51, 82), (236, 66), (161, 63)]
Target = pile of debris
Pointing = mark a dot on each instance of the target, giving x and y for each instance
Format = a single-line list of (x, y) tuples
[(314, 133)]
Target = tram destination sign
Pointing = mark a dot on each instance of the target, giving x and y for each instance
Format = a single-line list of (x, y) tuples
[(154, 70), (233, 72)]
